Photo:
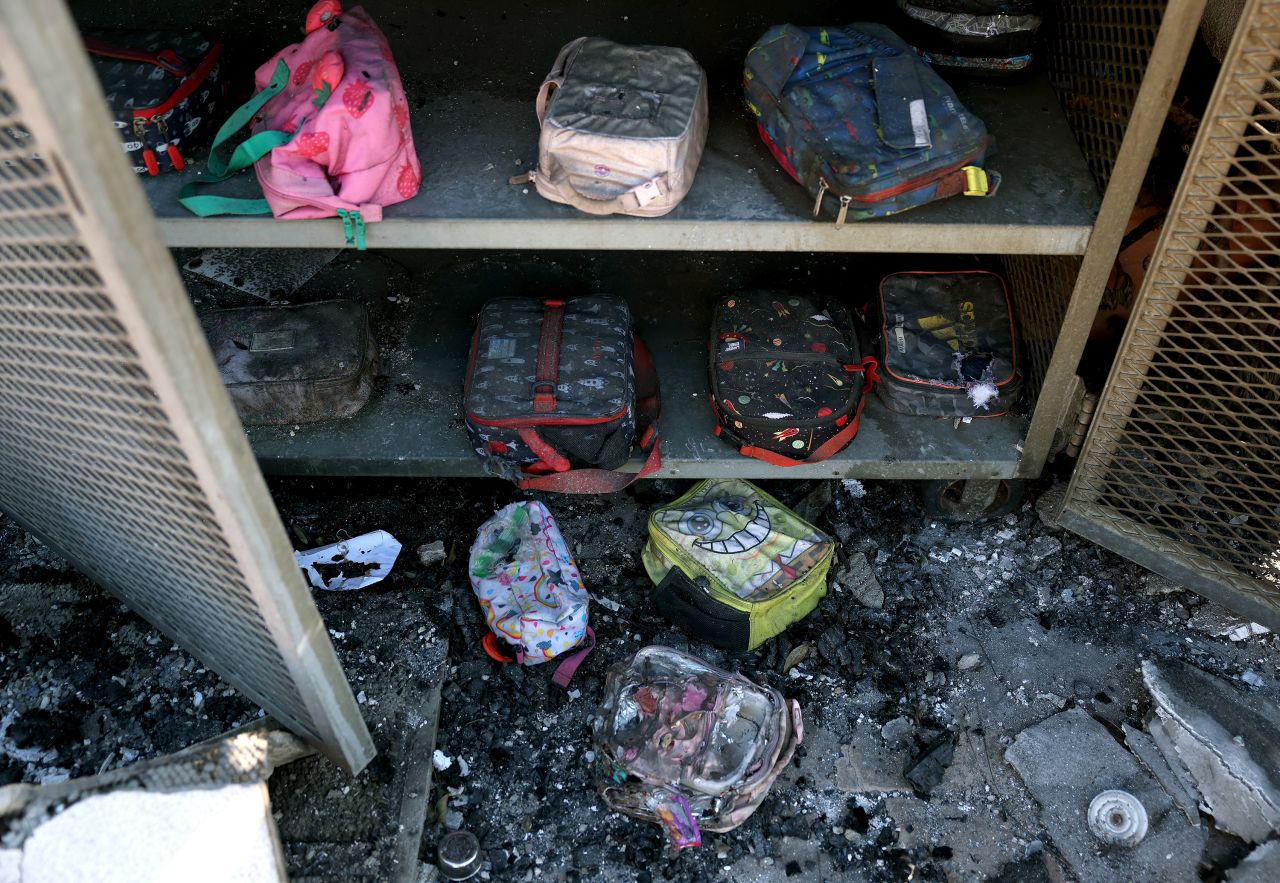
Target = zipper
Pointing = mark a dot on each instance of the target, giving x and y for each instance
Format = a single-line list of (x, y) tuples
[(166, 59), (909, 185), (184, 91), (783, 356), (545, 420), (674, 552)]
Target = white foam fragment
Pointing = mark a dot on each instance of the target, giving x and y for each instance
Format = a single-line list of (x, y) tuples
[(441, 761), (855, 488), (982, 394)]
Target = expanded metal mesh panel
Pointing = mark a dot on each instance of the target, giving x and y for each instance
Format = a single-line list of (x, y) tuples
[(1097, 55), (94, 457), (1184, 457), (1041, 289), (91, 461)]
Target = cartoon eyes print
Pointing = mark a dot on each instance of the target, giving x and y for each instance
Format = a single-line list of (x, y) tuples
[(736, 505), (700, 523)]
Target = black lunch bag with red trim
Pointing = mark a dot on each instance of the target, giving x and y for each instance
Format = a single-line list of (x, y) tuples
[(559, 392), (163, 90), (788, 376), (948, 345)]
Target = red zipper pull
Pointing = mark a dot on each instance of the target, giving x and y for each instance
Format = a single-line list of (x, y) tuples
[(152, 164), (175, 157)]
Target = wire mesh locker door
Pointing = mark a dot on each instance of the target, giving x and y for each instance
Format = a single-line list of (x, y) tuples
[(1181, 470), (119, 446)]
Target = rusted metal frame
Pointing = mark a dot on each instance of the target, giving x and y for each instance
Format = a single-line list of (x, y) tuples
[(1169, 54), (1161, 555), (1170, 263)]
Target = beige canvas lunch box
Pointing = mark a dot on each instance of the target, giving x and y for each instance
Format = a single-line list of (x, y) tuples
[(623, 128)]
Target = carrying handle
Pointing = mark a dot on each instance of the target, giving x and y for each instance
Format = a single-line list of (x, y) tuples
[(637, 197), (555, 78), (605, 481), (245, 154), (567, 669)]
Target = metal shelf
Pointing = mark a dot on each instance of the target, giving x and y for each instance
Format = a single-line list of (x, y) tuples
[(419, 431), (473, 136)]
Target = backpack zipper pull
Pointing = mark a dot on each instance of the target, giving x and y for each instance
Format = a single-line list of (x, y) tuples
[(844, 210), (817, 203)]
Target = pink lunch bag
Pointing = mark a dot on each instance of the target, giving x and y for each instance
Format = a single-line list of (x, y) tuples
[(330, 126)]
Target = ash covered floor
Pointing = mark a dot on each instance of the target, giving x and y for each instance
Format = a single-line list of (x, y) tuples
[(985, 631)]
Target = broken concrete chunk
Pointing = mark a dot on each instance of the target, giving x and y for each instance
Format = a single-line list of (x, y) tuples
[(969, 662), (897, 732), (1044, 547), (1065, 761), (1177, 784), (1248, 630), (1215, 621), (857, 577), (1258, 866), (1227, 741), (432, 553), (866, 765)]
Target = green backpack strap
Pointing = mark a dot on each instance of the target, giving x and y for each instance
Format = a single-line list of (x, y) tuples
[(245, 154)]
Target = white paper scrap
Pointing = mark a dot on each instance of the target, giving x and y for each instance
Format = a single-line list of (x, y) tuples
[(350, 564)]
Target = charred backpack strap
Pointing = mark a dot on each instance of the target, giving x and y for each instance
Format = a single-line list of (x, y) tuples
[(246, 153), (684, 603), (548, 368), (968, 181), (566, 670), (606, 481)]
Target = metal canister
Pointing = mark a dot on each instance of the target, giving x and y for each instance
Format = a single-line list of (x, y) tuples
[(458, 855)]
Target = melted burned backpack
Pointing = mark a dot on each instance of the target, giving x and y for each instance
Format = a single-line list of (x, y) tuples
[(948, 347), (558, 392), (689, 745), (853, 113), (788, 377), (977, 37), (733, 566)]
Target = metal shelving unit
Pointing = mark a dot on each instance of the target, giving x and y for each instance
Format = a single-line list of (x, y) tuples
[(740, 200), (1055, 225)]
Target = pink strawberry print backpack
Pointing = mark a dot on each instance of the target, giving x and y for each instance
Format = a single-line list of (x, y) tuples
[(330, 126)]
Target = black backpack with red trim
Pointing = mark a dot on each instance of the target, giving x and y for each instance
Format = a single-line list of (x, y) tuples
[(948, 346), (788, 376), (559, 392), (163, 89)]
